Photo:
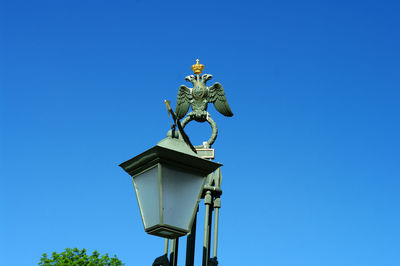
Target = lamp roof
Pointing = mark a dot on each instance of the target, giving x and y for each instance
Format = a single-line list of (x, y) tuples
[(172, 150)]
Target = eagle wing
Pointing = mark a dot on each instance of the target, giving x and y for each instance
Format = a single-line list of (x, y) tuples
[(217, 96), (183, 101)]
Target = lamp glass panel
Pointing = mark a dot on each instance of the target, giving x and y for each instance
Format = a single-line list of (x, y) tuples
[(180, 192), (147, 193)]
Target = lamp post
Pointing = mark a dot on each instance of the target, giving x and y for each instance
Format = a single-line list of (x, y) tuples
[(171, 178)]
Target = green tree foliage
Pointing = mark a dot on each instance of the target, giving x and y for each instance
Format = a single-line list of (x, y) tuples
[(74, 257)]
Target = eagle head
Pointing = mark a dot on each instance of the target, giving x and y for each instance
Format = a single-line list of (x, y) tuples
[(191, 78), (205, 78)]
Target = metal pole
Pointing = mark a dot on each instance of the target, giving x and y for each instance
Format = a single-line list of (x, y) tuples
[(209, 229), (206, 246), (166, 243), (173, 255), (217, 205), (191, 242)]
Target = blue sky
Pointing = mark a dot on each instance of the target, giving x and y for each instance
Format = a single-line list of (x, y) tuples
[(311, 156)]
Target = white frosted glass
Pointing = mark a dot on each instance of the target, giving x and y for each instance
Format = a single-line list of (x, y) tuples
[(147, 193), (180, 193)]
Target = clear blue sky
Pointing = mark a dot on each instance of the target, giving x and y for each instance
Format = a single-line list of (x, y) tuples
[(311, 157)]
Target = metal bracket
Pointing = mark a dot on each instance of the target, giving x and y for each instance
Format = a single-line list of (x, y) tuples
[(162, 261), (213, 262)]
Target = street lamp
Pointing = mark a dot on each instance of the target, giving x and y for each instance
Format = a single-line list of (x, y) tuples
[(169, 180)]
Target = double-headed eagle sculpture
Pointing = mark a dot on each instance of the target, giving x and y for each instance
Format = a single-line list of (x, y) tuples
[(200, 95)]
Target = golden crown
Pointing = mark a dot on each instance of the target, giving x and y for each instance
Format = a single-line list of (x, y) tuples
[(197, 68)]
